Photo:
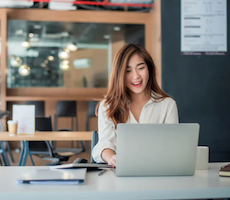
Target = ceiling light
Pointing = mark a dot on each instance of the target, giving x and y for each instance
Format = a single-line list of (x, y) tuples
[(46, 61), (66, 50), (15, 62), (31, 35), (106, 37), (64, 65), (116, 28), (64, 54), (50, 58), (72, 47), (43, 65), (18, 59), (24, 70), (26, 44)]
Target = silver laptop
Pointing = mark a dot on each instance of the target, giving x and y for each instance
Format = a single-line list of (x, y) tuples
[(156, 149)]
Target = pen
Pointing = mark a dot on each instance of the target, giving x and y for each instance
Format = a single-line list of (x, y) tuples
[(102, 172)]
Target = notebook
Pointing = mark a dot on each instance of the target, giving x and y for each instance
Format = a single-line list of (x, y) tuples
[(53, 177), (156, 149), (225, 171), (88, 166)]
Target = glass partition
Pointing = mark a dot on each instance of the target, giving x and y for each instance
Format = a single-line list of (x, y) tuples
[(61, 54)]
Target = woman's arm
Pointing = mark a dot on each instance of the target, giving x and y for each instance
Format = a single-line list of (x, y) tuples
[(109, 156), (107, 137)]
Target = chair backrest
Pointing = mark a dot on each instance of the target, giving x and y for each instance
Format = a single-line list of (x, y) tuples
[(66, 109), (4, 114), (39, 107), (43, 123), (93, 143), (42, 147), (91, 112)]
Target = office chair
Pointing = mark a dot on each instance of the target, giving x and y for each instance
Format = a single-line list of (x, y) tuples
[(4, 155), (39, 107), (91, 112), (43, 149), (67, 109), (1, 151), (93, 143)]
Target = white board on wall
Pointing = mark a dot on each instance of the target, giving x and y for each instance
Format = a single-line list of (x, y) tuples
[(203, 25)]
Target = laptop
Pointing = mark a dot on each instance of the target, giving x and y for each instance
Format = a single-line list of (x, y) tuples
[(156, 149)]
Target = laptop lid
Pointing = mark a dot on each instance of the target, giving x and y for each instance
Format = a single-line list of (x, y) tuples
[(156, 149)]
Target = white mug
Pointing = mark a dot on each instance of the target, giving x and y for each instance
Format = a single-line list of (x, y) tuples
[(202, 158)]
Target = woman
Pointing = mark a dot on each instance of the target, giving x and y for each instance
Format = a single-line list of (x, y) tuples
[(133, 97)]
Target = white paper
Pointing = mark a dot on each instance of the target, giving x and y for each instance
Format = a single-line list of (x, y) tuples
[(25, 115), (204, 26)]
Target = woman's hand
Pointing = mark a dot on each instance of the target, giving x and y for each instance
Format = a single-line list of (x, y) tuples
[(109, 156), (112, 161)]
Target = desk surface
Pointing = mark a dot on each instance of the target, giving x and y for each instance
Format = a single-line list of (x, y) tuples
[(49, 135), (204, 184)]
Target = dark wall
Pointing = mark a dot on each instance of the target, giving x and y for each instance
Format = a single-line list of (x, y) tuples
[(199, 84)]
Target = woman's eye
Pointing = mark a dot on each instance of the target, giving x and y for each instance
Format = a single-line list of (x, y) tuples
[(141, 68), (128, 71)]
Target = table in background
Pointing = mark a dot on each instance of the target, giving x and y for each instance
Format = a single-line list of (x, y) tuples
[(205, 184), (44, 136)]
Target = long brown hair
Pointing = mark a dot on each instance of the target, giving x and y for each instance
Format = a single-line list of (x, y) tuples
[(117, 97)]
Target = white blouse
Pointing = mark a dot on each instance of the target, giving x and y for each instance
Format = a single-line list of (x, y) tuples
[(157, 112)]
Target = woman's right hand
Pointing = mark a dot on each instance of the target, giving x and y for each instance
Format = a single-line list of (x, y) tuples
[(112, 161), (109, 156)]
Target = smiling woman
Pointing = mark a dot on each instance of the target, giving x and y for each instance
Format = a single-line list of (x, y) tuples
[(133, 96)]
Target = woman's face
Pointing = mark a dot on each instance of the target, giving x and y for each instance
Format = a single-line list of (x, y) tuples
[(137, 75)]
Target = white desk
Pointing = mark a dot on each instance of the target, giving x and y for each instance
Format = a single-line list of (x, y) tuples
[(205, 184)]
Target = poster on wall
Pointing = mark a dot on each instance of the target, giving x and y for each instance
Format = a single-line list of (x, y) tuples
[(203, 27)]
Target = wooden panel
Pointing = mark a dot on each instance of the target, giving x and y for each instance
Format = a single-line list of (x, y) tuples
[(50, 135), (29, 98), (155, 25), (3, 60), (56, 93), (78, 16)]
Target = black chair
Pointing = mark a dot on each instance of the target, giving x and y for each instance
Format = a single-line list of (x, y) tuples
[(67, 109), (1, 151), (93, 143), (91, 112), (43, 149), (2, 147), (39, 107)]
